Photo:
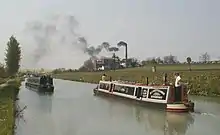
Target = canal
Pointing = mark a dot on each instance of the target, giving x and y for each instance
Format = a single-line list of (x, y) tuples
[(73, 110)]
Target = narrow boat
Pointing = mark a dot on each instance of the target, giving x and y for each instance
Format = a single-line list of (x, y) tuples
[(40, 83), (158, 96)]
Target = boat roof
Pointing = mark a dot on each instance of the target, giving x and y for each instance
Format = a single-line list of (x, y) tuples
[(133, 84)]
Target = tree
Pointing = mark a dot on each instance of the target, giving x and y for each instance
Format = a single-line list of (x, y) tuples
[(204, 58), (159, 60), (134, 62), (149, 61), (170, 59), (189, 60), (57, 71), (152, 60), (124, 44), (12, 56)]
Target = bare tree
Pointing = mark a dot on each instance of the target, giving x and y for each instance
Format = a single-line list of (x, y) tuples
[(204, 58), (189, 60)]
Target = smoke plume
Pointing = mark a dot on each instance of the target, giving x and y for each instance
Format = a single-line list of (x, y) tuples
[(94, 51), (56, 40)]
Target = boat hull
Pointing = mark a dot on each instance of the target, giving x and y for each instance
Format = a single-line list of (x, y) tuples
[(177, 107), (169, 107), (38, 88), (139, 102)]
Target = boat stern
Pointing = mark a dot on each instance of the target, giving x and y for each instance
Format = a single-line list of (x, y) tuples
[(46, 88), (180, 107), (95, 90)]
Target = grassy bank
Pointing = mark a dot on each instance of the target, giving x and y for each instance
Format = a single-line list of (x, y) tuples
[(8, 94), (202, 80), (3, 80)]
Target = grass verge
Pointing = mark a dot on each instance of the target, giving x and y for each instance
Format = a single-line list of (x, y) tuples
[(203, 80), (8, 94)]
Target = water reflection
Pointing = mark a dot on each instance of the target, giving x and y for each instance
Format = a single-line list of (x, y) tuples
[(178, 123), (166, 122), (45, 102), (37, 114), (153, 121)]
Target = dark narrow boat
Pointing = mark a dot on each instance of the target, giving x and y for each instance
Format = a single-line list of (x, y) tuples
[(40, 83), (157, 96)]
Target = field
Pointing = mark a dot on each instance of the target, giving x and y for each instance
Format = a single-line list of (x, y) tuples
[(202, 80)]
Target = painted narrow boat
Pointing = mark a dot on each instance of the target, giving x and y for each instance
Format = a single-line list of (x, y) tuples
[(155, 96), (40, 83)]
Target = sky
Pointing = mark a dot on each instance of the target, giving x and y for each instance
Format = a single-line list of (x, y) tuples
[(151, 28)]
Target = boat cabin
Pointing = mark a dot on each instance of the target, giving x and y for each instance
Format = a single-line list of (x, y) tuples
[(40, 83), (157, 94), (41, 80)]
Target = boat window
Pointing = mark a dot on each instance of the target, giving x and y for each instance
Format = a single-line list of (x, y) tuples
[(130, 90), (144, 92), (124, 89), (33, 80), (41, 80), (119, 89), (104, 86)]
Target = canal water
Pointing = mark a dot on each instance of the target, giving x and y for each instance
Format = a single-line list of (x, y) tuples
[(73, 110)]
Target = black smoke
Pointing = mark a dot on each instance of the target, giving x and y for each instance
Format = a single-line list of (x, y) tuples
[(94, 51), (60, 31)]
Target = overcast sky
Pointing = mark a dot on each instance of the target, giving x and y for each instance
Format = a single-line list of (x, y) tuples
[(150, 27)]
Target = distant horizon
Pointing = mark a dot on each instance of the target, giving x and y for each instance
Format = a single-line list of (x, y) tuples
[(181, 62), (50, 70)]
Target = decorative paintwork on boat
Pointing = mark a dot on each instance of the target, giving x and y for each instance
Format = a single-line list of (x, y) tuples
[(142, 93)]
